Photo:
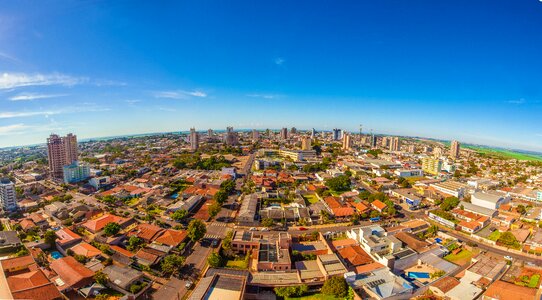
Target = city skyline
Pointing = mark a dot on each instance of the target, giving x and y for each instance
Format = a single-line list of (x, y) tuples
[(194, 64)]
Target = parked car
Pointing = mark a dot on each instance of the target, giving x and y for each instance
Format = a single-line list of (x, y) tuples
[(508, 257), (303, 228), (188, 284), (253, 229)]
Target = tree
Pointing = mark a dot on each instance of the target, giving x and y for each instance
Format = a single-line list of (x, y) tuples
[(214, 260), (268, 222), (179, 215), (289, 291), (521, 209), (228, 186), (101, 278), (134, 242), (221, 196), (392, 211), (111, 228), (214, 209), (172, 264), (508, 239), (339, 183), (50, 237), (374, 214), (196, 230), (449, 203), (335, 286)]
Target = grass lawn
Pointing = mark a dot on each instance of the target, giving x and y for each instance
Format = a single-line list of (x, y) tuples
[(506, 153), (494, 236), (111, 292), (310, 198), (236, 264), (132, 201), (314, 297), (460, 258)]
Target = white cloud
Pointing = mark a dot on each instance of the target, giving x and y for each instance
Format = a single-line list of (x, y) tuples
[(132, 101), (279, 61), (12, 129), (516, 101), (34, 96), (8, 57), (263, 96), (22, 114), (15, 80), (179, 94)]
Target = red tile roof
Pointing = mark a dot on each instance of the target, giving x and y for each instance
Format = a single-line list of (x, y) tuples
[(379, 204), (122, 251), (172, 237), (17, 262), (73, 273), (354, 256), (504, 290), (145, 231), (86, 250), (44, 292), (98, 224)]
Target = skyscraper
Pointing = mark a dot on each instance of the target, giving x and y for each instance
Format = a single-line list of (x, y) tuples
[(209, 132), (337, 134), (454, 149), (284, 133), (395, 144), (61, 151), (8, 199), (255, 135), (347, 141), (306, 143), (194, 139), (313, 133), (293, 130)]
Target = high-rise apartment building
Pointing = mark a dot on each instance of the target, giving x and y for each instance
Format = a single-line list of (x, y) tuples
[(411, 148), (75, 172), (431, 165), (313, 133), (209, 132), (293, 130), (61, 151), (255, 135), (437, 152), (347, 141), (454, 149), (385, 142), (284, 133), (395, 144), (8, 199), (231, 137), (194, 139), (306, 143)]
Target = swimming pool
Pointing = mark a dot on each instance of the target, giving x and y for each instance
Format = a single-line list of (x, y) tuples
[(418, 274), (56, 255), (174, 196)]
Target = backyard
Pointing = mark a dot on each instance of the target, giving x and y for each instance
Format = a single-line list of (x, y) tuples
[(460, 258), (314, 297)]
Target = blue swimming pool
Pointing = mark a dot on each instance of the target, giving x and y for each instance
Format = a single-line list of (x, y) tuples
[(418, 274), (56, 255), (174, 196)]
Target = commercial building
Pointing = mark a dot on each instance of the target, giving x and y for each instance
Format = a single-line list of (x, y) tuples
[(194, 139), (408, 173), (8, 199), (75, 172), (452, 188), (61, 151), (491, 200), (454, 149), (298, 155)]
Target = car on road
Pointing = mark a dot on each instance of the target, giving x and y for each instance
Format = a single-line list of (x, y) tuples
[(253, 229), (264, 229), (188, 284), (303, 228), (508, 257), (214, 243)]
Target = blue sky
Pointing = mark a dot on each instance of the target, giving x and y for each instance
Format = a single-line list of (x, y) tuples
[(469, 70)]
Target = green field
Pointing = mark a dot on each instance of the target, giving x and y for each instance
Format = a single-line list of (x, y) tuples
[(506, 154), (310, 198)]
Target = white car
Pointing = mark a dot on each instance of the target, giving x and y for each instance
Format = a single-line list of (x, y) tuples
[(264, 229), (253, 229), (508, 257), (188, 284)]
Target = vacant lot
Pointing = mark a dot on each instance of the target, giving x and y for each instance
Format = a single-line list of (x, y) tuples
[(310, 198), (460, 258)]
